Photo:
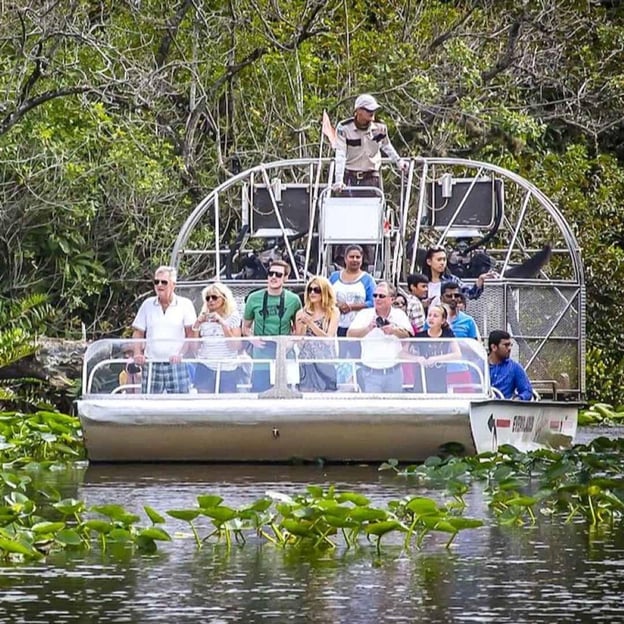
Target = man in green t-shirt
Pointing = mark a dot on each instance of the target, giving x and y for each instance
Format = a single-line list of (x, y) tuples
[(269, 312)]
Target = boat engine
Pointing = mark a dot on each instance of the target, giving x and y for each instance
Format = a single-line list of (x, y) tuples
[(467, 263)]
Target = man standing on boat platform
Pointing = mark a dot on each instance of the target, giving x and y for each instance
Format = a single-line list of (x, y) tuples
[(269, 312), (506, 375), (165, 321), (381, 329), (360, 142)]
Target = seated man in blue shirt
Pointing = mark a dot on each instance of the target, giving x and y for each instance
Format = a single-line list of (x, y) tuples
[(506, 375)]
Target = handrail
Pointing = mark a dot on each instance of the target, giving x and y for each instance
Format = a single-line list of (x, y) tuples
[(98, 366)]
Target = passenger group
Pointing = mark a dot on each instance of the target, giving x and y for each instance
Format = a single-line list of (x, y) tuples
[(389, 341), (390, 350)]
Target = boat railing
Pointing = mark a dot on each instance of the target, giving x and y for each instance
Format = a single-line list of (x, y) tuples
[(291, 366)]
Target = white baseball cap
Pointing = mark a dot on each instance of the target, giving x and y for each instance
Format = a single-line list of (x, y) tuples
[(367, 101)]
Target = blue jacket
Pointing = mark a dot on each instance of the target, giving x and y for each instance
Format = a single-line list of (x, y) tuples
[(510, 378)]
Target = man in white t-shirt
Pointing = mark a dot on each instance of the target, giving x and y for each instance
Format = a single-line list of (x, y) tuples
[(164, 321), (381, 330)]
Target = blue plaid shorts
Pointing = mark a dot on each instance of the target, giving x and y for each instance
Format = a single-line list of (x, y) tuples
[(159, 377)]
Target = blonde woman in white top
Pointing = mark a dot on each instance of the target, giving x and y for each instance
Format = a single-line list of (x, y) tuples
[(218, 319)]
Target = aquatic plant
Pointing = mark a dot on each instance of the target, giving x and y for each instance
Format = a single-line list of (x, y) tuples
[(583, 481), (601, 414), (44, 437), (318, 517)]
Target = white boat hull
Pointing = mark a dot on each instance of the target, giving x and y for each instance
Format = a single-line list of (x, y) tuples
[(526, 425), (332, 429)]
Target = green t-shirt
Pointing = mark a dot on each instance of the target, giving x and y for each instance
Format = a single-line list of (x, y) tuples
[(264, 310)]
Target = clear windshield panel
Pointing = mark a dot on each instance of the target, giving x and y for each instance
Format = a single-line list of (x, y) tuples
[(378, 363)]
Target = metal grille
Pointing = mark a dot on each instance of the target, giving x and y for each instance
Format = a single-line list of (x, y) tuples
[(545, 321)]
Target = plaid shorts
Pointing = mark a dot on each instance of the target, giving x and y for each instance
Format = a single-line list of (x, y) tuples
[(159, 377)]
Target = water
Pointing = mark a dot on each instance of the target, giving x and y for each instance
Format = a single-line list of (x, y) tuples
[(551, 572)]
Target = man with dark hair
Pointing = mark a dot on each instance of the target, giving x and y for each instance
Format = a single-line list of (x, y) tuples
[(462, 324), (506, 375), (269, 312)]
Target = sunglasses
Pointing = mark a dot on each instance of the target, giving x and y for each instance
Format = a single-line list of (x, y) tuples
[(453, 295), (275, 274), (315, 289), (398, 304), (379, 296), (213, 297), (161, 282)]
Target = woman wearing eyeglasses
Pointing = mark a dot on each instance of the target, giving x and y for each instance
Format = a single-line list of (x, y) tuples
[(318, 318), (218, 319), (400, 302)]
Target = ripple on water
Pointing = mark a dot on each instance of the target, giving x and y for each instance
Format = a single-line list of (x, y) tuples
[(546, 573)]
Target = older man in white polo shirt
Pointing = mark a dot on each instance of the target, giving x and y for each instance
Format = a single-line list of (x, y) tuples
[(165, 321), (381, 329)]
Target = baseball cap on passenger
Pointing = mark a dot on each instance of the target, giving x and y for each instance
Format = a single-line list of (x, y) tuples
[(366, 101)]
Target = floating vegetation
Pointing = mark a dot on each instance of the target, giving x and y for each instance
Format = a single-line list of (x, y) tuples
[(583, 483), (44, 437), (601, 414)]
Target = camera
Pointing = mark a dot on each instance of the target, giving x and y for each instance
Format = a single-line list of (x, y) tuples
[(133, 369), (381, 322)]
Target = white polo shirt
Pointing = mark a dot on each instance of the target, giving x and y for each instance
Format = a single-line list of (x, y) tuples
[(164, 331), (380, 350)]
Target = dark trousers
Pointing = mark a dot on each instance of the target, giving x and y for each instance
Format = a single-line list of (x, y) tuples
[(361, 178), (206, 380)]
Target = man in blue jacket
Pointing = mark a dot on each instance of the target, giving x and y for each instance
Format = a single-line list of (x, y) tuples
[(506, 375)]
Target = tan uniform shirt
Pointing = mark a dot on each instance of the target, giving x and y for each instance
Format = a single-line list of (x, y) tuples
[(361, 150)]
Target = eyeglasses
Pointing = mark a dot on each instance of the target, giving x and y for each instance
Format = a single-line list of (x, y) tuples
[(161, 282), (453, 295), (213, 297), (275, 274), (315, 289), (398, 304), (379, 296)]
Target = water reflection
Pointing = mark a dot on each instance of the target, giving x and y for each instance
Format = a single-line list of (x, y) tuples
[(547, 573)]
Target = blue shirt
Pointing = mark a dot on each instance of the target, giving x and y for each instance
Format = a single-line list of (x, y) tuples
[(510, 378), (464, 326)]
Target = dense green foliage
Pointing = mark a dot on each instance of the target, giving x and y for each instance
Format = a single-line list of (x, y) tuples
[(117, 117)]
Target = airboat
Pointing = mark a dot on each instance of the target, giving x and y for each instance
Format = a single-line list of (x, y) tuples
[(479, 212)]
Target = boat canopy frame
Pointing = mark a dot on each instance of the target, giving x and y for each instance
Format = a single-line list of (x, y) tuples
[(471, 208)]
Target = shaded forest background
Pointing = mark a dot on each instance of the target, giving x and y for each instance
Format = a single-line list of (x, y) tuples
[(118, 116)]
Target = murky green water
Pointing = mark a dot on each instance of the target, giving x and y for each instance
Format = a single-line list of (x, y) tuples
[(548, 573)]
